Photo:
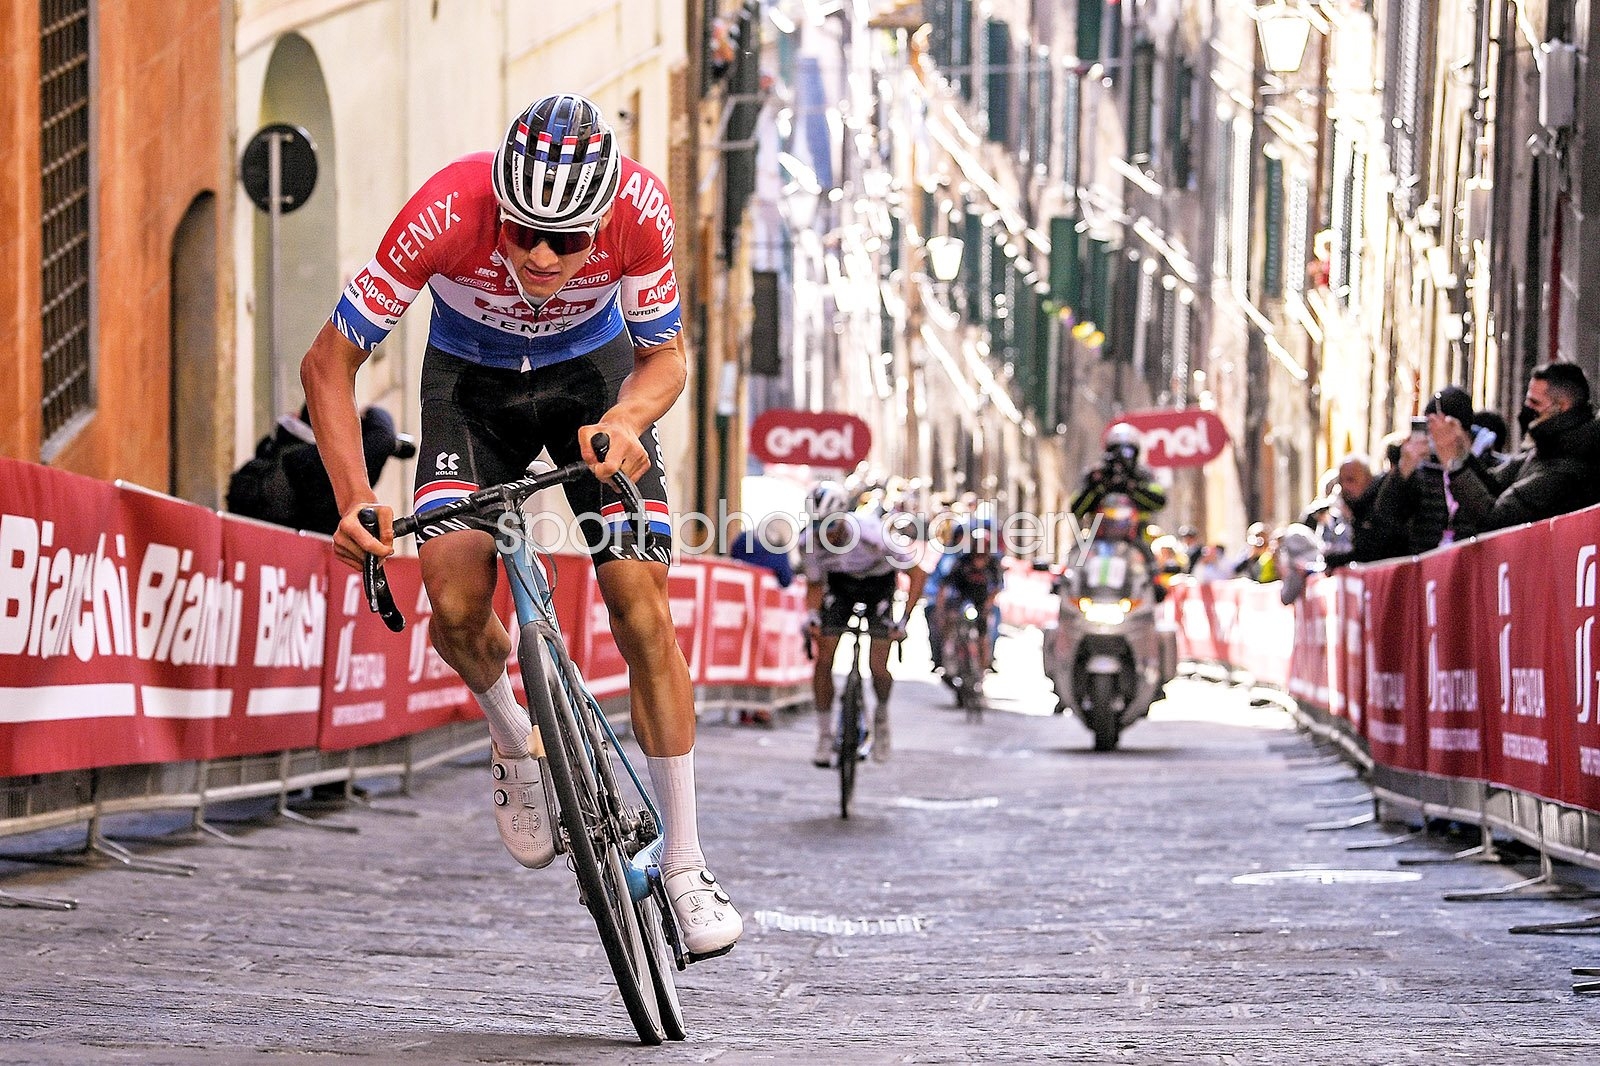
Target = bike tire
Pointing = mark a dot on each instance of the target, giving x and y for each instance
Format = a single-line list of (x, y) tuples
[(849, 741), (663, 965), (1103, 711), (593, 835)]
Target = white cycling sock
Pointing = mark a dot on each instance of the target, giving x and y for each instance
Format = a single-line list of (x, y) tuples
[(673, 778), (509, 724)]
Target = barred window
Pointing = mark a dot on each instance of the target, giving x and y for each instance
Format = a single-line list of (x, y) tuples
[(64, 205)]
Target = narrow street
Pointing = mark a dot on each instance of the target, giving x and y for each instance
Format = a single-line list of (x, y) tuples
[(1002, 894)]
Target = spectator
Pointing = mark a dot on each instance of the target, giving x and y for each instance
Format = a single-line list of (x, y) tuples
[(1189, 537), (1213, 565), (1557, 472), (285, 482), (1257, 557), (769, 548), (1366, 538), (1494, 452), (1416, 499)]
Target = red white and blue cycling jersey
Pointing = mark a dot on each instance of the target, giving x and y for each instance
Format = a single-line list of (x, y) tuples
[(446, 237)]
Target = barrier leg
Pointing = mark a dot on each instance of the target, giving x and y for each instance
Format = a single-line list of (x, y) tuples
[(1586, 986), (97, 850), (43, 903), (1388, 842), (1542, 885), (1579, 925), (1485, 851), (1342, 823), (288, 815)]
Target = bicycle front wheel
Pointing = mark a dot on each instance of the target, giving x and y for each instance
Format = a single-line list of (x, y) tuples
[(594, 838), (849, 741)]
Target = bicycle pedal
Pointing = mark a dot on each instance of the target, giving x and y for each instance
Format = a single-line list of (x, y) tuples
[(691, 957)]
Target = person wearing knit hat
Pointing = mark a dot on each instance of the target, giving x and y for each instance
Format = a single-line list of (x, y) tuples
[(1417, 498)]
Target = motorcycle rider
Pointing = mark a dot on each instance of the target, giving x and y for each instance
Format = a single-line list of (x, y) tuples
[(849, 558), (1120, 473)]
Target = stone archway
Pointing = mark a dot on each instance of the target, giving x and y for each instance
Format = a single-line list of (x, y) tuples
[(195, 464)]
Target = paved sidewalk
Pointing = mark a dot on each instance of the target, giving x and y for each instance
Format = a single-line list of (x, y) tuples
[(1003, 895)]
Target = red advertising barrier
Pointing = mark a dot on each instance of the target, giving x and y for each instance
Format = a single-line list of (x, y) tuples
[(136, 628), (1475, 662)]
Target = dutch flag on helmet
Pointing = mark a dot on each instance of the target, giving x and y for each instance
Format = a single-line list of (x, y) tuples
[(574, 164)]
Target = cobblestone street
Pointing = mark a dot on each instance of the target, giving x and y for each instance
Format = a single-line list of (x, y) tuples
[(1002, 894)]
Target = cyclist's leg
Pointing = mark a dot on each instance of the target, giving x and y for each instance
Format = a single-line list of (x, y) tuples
[(822, 694), (461, 450)]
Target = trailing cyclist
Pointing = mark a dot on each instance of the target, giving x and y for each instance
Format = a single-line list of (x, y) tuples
[(850, 558), (974, 575), (555, 317)]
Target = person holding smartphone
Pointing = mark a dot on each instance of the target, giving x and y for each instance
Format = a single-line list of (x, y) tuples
[(1416, 498)]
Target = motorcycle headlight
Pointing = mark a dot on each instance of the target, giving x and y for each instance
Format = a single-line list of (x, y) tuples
[(1103, 614)]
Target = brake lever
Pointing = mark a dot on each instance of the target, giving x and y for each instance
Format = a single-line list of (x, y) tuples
[(601, 443), (380, 599)]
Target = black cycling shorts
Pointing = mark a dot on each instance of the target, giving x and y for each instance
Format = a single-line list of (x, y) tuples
[(483, 425), (845, 591)]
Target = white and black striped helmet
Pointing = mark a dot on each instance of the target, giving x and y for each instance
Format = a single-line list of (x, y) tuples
[(558, 167)]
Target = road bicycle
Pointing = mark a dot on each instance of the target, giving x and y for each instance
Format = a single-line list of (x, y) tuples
[(963, 657), (612, 843), (849, 731)]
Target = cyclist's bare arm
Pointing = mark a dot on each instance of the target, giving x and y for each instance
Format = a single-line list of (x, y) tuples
[(646, 394), (328, 374), (916, 578)]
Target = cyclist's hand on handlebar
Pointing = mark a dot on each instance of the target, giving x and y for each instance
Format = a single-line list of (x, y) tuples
[(626, 453), (352, 543)]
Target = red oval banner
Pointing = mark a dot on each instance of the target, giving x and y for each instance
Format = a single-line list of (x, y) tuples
[(812, 438), (1186, 436)]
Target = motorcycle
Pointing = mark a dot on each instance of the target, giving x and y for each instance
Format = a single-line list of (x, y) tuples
[(1109, 654)]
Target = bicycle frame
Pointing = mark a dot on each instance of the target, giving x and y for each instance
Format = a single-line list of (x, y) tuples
[(534, 600)]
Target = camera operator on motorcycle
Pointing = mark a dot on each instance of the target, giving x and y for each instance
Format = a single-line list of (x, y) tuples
[(1120, 473), (849, 559)]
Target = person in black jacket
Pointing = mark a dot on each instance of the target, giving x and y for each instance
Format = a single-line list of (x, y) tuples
[(1417, 499), (285, 482), (1366, 539), (1558, 473)]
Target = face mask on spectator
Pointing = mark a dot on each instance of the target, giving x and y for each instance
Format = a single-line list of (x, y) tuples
[(1526, 417)]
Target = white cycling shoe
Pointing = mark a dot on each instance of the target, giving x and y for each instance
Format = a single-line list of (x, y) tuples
[(520, 811), (706, 919)]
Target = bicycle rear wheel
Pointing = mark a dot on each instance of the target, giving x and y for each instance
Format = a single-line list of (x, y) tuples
[(589, 820), (662, 965), (849, 740)]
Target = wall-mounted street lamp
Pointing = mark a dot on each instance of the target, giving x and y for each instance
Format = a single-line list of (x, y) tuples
[(1283, 31), (944, 257)]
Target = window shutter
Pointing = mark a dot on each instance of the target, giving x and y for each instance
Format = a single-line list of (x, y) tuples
[(1091, 13), (997, 92), (1066, 272), (1224, 183), (1272, 264), (1297, 236), (1139, 117), (1071, 90), (961, 50)]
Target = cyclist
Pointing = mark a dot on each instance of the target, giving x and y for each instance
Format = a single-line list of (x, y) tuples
[(974, 576), (850, 558), (555, 317)]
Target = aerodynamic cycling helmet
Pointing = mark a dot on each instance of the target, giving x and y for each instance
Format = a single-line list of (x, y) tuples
[(559, 165), (1123, 440), (827, 498)]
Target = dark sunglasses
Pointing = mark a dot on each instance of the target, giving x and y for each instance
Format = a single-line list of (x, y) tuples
[(561, 241)]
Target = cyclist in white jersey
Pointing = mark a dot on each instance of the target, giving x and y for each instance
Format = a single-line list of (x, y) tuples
[(849, 559), (555, 317)]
